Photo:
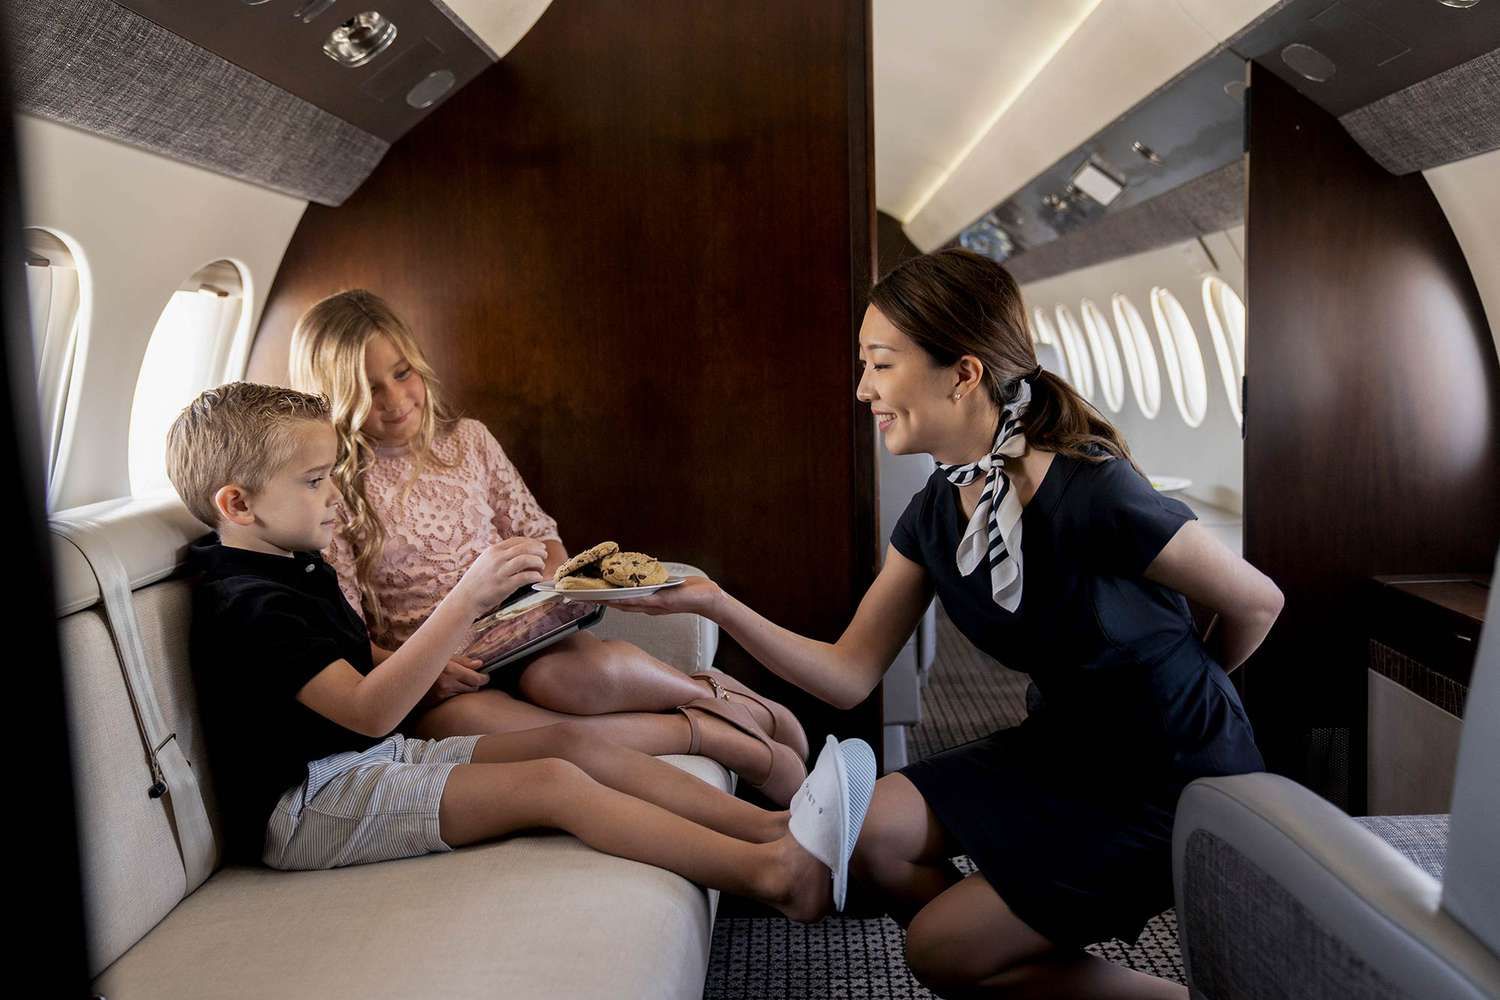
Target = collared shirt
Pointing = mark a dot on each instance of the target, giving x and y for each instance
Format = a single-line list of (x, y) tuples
[(263, 626)]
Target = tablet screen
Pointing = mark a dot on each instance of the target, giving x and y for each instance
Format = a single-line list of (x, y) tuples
[(510, 631)]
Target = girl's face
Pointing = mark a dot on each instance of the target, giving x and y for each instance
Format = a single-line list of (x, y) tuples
[(397, 395), (910, 396)]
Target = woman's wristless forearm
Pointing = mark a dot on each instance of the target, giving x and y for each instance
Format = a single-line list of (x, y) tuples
[(815, 667)]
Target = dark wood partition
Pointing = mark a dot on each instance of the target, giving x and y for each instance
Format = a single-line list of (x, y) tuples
[(1372, 417), (639, 250)]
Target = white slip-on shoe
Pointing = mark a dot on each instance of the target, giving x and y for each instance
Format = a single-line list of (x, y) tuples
[(829, 809)]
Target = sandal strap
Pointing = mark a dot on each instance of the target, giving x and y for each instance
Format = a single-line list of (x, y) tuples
[(746, 725), (723, 693), (713, 682), (696, 740)]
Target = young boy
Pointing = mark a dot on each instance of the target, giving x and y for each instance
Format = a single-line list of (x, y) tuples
[(300, 716)]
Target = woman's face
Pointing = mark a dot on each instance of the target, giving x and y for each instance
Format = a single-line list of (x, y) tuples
[(397, 395), (910, 396)]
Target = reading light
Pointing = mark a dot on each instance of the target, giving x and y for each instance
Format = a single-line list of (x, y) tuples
[(360, 39), (1147, 153), (1097, 184), (1460, 4), (310, 9), (431, 87), (1308, 62)]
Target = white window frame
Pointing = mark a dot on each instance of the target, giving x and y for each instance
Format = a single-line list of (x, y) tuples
[(1140, 356), (1226, 325), (57, 330), (1183, 356), (1047, 335), (1106, 355), (1078, 356)]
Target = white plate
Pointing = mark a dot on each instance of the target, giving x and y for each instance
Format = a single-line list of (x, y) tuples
[(1170, 484), (612, 594)]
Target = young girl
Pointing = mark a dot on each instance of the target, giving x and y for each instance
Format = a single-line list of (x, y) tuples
[(424, 493)]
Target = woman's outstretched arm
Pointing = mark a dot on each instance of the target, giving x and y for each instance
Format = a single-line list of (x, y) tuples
[(841, 673), (1198, 566)]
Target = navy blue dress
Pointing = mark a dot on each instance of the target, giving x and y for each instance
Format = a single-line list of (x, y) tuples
[(1069, 815)]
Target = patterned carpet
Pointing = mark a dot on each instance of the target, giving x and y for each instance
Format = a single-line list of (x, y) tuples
[(753, 958)]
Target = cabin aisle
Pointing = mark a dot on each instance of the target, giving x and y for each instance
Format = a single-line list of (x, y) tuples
[(762, 958)]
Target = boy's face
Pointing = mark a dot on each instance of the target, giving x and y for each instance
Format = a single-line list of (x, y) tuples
[(295, 510)]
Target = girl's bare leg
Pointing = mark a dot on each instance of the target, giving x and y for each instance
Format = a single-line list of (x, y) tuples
[(968, 943), (491, 711), (639, 775), (486, 800), (586, 675)]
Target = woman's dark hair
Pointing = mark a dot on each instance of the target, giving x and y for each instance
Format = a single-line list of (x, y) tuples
[(955, 302)]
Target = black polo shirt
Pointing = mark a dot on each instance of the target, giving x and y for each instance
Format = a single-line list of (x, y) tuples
[(263, 626)]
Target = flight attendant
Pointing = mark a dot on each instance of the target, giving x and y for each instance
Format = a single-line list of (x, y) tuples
[(1052, 553)]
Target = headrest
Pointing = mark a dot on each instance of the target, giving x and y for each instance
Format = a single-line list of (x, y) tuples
[(150, 535)]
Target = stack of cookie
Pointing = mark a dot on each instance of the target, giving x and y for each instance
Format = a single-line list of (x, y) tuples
[(604, 566)]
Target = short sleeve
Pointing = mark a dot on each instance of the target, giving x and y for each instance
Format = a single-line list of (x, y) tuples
[(516, 510), (276, 636), (1129, 521), (340, 555), (906, 535)]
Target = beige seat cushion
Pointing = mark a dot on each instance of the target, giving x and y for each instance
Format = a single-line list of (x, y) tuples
[(533, 916)]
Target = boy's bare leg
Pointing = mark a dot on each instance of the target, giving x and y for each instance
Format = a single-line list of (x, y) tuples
[(486, 800), (491, 711), (637, 774)]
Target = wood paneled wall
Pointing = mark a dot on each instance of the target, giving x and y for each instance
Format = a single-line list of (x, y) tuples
[(639, 249), (1372, 410)]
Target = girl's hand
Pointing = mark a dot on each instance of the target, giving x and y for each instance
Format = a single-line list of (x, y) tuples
[(460, 676), (696, 595), (501, 570)]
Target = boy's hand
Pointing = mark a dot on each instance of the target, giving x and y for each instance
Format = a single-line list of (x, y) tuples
[(460, 676), (502, 569)]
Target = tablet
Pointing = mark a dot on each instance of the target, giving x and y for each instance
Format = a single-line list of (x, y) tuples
[(525, 623)]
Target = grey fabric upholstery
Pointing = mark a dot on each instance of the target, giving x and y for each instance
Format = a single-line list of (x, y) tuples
[(1279, 893), (1208, 204), (96, 66), (1451, 116), (1422, 840)]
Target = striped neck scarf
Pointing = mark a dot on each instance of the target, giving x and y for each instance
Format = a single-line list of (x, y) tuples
[(995, 528)]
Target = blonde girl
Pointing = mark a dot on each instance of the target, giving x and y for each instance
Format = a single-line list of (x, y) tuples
[(425, 491)]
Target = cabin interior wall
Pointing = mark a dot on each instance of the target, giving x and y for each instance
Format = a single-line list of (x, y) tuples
[(1210, 454), (634, 250), (143, 224), (1374, 408)]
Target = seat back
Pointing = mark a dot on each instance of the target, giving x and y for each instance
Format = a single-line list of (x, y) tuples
[(1471, 886), (132, 870)]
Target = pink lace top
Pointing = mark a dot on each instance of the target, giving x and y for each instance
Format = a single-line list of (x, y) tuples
[(445, 520)]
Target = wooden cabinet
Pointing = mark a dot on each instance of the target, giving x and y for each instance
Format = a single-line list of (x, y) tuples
[(1423, 634)]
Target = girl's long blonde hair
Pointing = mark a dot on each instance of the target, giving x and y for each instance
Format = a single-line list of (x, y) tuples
[(328, 357)]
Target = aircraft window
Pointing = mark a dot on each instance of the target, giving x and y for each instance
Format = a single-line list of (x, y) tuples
[(1140, 356), (1179, 349), (190, 350), (1078, 355), (1106, 355), (1044, 334), (57, 287), (1226, 324)]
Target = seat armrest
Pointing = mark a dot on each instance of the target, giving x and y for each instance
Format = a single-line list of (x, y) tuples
[(687, 642), (1280, 893)]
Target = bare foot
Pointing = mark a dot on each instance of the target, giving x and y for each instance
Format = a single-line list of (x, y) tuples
[(804, 887)]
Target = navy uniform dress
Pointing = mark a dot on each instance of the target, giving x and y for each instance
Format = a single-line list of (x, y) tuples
[(1069, 815)]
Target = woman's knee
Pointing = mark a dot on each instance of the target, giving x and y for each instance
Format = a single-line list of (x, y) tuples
[(942, 960), (584, 679), (572, 742)]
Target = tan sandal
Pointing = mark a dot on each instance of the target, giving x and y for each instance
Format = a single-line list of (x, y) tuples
[(787, 771), (785, 728)]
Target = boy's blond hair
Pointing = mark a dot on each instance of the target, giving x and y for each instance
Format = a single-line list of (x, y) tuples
[(241, 433)]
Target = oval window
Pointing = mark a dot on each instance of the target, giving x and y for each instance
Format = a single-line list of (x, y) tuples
[(1226, 325), (190, 350), (1184, 360), (1046, 336), (1140, 356), (1106, 355), (57, 289), (1078, 355)]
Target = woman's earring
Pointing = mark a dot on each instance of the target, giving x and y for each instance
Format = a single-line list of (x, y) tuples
[(957, 396)]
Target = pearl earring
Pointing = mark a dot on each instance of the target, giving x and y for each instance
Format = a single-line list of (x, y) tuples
[(957, 395)]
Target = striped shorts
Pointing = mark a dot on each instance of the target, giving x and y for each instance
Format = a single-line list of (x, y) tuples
[(370, 805)]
